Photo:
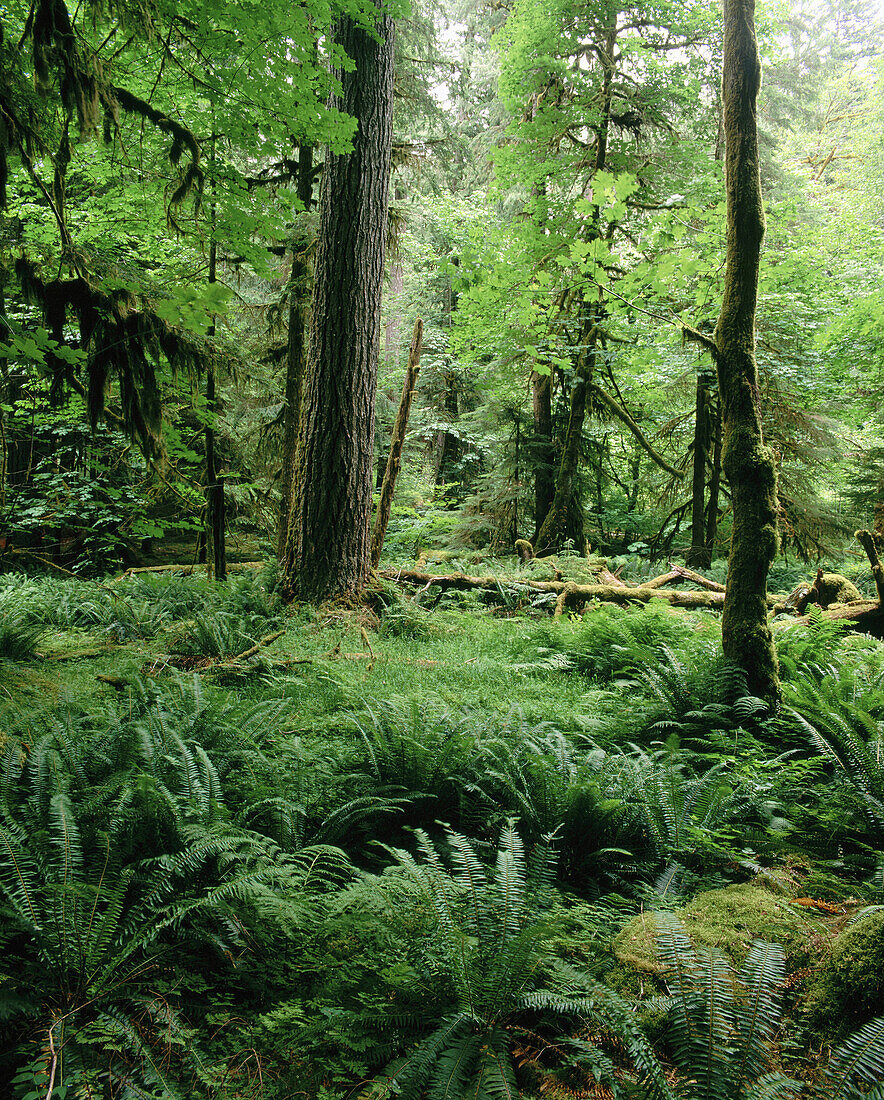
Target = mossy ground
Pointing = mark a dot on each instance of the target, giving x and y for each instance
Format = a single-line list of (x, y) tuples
[(506, 674)]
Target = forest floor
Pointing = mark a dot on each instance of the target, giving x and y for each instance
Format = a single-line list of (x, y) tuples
[(617, 742)]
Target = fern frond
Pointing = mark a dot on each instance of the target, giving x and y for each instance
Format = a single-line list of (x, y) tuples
[(859, 1060), (758, 1012), (774, 1086)]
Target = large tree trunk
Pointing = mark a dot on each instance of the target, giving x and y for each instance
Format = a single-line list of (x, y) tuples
[(748, 464), (559, 522), (296, 351), (327, 552), (388, 486)]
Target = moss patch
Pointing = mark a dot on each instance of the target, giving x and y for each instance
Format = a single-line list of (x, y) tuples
[(729, 919), (849, 988)]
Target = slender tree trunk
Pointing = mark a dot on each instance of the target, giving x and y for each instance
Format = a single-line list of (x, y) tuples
[(215, 505), (393, 325), (698, 555), (748, 464), (564, 511), (447, 443), (327, 552), (714, 482), (543, 449), (878, 521), (394, 462), (296, 351)]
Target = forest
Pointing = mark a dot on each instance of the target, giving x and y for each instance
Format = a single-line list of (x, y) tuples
[(441, 498)]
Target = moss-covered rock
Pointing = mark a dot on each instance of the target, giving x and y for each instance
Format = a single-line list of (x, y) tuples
[(729, 919), (848, 989)]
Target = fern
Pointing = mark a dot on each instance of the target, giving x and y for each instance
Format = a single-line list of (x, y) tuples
[(493, 947), (722, 1023), (857, 1065)]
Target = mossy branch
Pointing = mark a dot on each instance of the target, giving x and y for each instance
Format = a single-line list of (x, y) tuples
[(693, 336), (867, 540), (623, 415)]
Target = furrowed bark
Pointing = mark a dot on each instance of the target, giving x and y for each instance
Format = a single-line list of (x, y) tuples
[(328, 550)]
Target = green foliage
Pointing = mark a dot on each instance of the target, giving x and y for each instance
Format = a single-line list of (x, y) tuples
[(491, 953), (850, 738), (722, 1022), (20, 636), (610, 640)]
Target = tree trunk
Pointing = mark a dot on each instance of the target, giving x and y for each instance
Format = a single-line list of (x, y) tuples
[(394, 462), (215, 506), (714, 482), (296, 352), (561, 520), (878, 520), (748, 464), (393, 324), (327, 552), (447, 443), (698, 553), (543, 450)]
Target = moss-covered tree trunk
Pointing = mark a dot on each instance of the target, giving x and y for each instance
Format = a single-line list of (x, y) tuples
[(327, 551), (748, 464), (714, 482), (564, 518)]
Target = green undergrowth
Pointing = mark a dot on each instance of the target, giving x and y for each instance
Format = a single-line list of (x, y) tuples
[(285, 850)]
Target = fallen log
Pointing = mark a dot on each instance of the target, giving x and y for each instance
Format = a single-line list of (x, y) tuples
[(573, 595), (188, 570), (682, 573), (570, 593), (866, 617), (607, 577)]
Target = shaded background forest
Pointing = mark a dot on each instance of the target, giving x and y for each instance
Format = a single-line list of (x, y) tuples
[(555, 221)]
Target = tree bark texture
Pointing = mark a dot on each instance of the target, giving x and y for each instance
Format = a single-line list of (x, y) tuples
[(327, 552), (748, 464), (296, 352), (559, 518), (394, 462)]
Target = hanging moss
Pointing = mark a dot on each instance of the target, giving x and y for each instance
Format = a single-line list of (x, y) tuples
[(123, 338)]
